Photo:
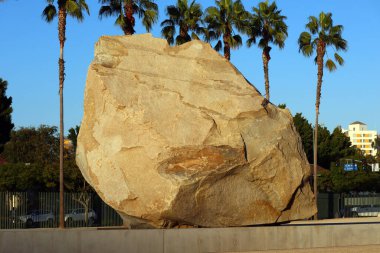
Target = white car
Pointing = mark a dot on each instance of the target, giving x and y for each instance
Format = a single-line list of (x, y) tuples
[(79, 215), (366, 211), (37, 216)]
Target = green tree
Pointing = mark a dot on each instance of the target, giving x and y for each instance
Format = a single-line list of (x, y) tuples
[(125, 10), (187, 17), (32, 157), (21, 177), (6, 110), (324, 147), (268, 26), (221, 20), (73, 136), (377, 146), (340, 145), (33, 145), (305, 131), (323, 34)]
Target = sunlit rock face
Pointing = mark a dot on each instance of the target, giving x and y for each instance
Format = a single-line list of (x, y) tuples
[(177, 136)]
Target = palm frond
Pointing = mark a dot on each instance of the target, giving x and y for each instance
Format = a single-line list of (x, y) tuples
[(330, 65), (83, 5), (105, 11), (120, 21), (110, 8), (194, 36), (168, 33), (313, 25), (74, 10), (181, 40), (149, 18), (338, 59), (173, 12), (49, 13), (167, 22), (148, 5), (236, 41), (305, 44), (268, 24), (218, 46), (251, 41), (325, 20)]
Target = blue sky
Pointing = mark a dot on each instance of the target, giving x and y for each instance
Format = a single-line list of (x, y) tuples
[(29, 53)]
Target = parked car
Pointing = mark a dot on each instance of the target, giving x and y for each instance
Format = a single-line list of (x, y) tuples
[(79, 215), (36, 216), (366, 211)]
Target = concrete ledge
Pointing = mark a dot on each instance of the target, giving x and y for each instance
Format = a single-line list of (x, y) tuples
[(94, 240)]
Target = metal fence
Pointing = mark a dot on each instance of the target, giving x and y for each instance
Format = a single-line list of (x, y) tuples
[(333, 205), (12, 206), (41, 209), (362, 201), (329, 205)]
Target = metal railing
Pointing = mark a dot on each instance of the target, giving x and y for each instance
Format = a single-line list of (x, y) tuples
[(41, 209)]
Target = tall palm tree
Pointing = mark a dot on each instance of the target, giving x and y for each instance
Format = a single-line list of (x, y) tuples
[(73, 8), (221, 20), (125, 10), (268, 25), (322, 34), (187, 17)]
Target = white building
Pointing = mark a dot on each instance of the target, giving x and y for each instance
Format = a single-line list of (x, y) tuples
[(362, 138)]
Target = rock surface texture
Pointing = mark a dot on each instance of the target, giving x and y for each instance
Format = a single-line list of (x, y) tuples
[(177, 136)]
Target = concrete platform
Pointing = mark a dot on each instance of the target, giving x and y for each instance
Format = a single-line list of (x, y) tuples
[(340, 235)]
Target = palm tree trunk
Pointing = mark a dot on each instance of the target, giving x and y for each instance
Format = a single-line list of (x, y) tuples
[(266, 75), (227, 49), (183, 33), (320, 55), (129, 20), (62, 37)]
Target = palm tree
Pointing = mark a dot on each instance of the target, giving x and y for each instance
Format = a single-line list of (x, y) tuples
[(187, 17), (147, 10), (268, 25), (322, 35), (73, 8), (221, 20)]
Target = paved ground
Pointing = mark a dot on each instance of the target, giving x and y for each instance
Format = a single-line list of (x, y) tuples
[(352, 249), (338, 221)]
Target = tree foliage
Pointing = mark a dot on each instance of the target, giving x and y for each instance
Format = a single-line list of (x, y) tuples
[(73, 136), (73, 8), (321, 34), (188, 19), (124, 11), (352, 181), (33, 145), (305, 131), (331, 146), (6, 110), (32, 157), (224, 20), (266, 26)]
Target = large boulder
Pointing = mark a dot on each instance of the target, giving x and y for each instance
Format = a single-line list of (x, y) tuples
[(177, 135)]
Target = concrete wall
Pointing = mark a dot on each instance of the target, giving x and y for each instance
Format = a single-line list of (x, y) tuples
[(94, 240)]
